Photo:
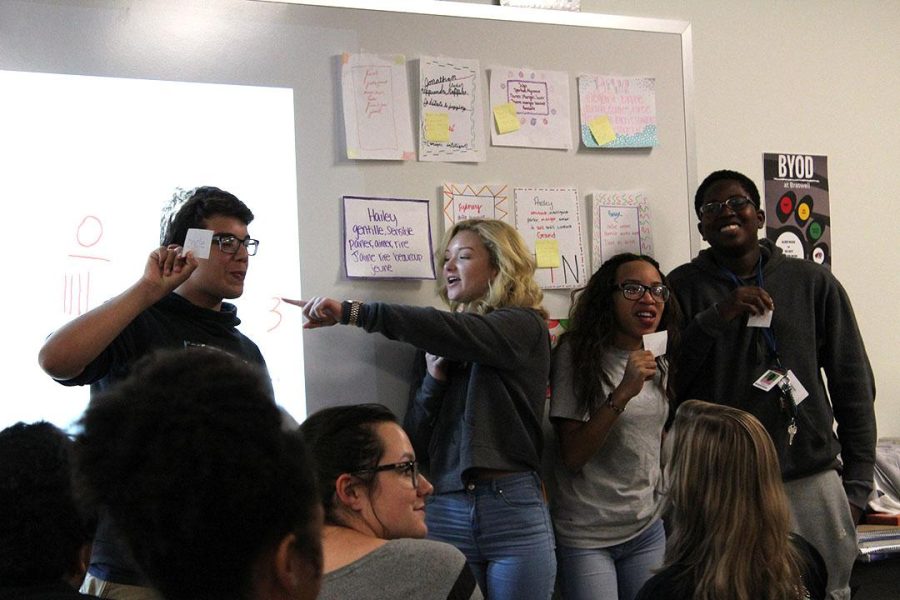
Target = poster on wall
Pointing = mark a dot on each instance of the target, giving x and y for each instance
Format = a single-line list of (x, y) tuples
[(621, 223), (469, 201), (451, 121), (377, 118), (798, 213), (387, 238), (550, 223), (530, 108), (617, 112)]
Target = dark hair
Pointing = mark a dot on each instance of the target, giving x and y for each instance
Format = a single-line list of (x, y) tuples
[(343, 440), (723, 175), (42, 524), (189, 457), (194, 207), (592, 328)]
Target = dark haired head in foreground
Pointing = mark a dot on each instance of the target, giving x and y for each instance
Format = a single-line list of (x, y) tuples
[(213, 498), (44, 534)]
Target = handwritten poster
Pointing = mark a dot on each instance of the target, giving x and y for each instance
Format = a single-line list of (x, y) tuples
[(544, 214), (617, 112), (798, 212), (541, 100), (451, 122), (467, 201), (621, 223), (377, 116), (387, 238)]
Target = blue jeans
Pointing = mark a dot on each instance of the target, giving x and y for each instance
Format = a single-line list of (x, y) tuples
[(503, 527), (613, 572)]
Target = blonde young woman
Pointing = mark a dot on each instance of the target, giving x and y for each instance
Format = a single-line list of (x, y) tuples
[(476, 415), (730, 522)]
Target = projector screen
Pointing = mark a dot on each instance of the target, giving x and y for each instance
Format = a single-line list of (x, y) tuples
[(87, 165)]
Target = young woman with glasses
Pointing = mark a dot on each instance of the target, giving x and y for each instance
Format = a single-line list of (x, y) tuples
[(478, 406), (609, 404), (374, 501)]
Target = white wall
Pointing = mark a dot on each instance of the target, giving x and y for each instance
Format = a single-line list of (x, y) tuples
[(817, 77)]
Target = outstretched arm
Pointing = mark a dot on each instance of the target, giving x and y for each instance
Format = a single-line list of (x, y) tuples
[(72, 347)]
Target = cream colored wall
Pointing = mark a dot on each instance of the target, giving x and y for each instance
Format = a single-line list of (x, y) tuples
[(816, 77)]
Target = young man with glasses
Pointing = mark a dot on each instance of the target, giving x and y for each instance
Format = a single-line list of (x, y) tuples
[(177, 303), (732, 355)]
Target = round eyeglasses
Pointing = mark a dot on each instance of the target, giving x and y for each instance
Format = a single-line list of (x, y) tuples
[(636, 291), (230, 244), (735, 203), (409, 468)]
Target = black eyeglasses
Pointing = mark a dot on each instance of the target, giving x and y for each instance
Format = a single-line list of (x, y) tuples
[(230, 244), (636, 291), (409, 468), (735, 203)]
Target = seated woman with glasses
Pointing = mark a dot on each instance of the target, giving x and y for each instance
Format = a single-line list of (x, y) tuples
[(730, 522), (374, 501), (609, 404)]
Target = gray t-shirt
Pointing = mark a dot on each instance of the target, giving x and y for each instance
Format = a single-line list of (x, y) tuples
[(404, 569), (615, 496)]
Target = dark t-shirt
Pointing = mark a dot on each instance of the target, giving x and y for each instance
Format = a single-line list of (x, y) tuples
[(664, 586), (52, 591), (171, 323)]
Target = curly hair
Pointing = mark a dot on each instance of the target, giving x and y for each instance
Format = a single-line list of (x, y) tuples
[(43, 526), (729, 512), (514, 284), (725, 175), (190, 208), (344, 440), (189, 458), (592, 328)]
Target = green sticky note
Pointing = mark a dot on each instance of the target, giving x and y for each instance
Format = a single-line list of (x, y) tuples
[(602, 130), (506, 118), (547, 252), (437, 127)]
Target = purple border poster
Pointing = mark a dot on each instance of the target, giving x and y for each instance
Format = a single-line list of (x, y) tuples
[(387, 238)]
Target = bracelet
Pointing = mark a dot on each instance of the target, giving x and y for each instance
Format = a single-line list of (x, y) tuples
[(354, 313), (616, 409)]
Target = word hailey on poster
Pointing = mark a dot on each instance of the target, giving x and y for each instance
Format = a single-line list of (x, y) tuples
[(387, 238), (550, 224)]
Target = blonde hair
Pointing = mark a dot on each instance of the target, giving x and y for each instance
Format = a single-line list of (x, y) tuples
[(514, 283), (729, 511)]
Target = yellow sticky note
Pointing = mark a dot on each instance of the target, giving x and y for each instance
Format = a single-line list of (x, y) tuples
[(547, 253), (602, 130), (506, 118), (437, 127)]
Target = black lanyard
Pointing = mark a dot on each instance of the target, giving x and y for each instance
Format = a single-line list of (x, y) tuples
[(769, 335)]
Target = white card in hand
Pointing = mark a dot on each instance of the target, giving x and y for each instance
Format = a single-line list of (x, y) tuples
[(656, 342), (763, 320), (198, 241)]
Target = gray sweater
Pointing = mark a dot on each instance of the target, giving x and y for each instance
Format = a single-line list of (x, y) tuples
[(815, 333), (404, 569), (489, 412)]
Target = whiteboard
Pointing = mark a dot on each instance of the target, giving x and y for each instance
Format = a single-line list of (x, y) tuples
[(298, 45)]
